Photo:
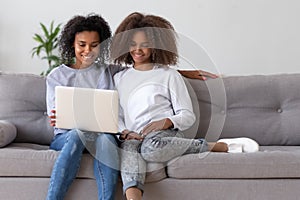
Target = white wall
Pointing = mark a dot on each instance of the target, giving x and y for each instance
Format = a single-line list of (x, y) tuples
[(241, 36)]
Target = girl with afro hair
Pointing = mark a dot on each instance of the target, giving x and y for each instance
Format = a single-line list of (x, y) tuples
[(155, 106), (83, 44)]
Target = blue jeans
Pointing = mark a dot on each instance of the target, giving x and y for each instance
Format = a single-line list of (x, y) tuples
[(106, 163)]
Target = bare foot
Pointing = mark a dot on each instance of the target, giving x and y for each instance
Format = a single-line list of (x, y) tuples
[(218, 147), (133, 193)]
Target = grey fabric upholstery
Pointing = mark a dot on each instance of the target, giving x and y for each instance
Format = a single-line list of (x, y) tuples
[(263, 107), (268, 163), (33, 160), (192, 132), (8, 133), (22, 102)]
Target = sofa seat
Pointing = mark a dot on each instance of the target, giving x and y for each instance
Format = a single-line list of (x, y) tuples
[(33, 160), (270, 162)]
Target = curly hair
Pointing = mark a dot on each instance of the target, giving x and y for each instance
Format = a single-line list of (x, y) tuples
[(77, 24), (159, 32)]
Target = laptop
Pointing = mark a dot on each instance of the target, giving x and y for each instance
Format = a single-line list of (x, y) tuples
[(87, 109)]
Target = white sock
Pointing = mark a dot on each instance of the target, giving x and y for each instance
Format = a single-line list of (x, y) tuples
[(239, 145)]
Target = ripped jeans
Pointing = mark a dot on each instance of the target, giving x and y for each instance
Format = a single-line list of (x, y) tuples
[(160, 146), (72, 144)]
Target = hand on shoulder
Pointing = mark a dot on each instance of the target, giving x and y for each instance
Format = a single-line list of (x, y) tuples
[(197, 74)]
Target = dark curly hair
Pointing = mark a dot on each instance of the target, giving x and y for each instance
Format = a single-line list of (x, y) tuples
[(159, 32), (77, 24)]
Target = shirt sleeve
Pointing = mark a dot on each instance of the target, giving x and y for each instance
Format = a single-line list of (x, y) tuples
[(184, 116), (50, 95), (51, 83)]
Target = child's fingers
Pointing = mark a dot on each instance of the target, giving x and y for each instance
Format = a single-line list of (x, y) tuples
[(52, 123)]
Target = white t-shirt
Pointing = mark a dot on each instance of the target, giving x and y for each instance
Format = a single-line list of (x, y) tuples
[(147, 96)]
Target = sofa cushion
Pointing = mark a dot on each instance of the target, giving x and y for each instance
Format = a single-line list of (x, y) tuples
[(265, 108), (23, 103), (8, 133), (269, 162), (33, 160)]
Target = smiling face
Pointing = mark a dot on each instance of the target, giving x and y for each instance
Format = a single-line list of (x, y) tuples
[(140, 50), (86, 45)]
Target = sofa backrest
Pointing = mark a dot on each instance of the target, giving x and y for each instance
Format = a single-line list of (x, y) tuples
[(22, 102), (263, 107)]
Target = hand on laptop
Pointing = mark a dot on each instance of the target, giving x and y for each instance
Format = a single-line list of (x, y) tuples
[(52, 118)]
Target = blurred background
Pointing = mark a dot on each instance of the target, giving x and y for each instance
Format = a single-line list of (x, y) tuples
[(229, 37)]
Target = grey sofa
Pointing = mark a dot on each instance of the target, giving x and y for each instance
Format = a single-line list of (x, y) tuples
[(265, 108)]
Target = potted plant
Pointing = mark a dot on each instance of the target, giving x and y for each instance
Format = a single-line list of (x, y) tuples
[(47, 44)]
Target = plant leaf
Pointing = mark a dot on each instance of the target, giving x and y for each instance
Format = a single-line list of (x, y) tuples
[(45, 30), (47, 43), (38, 38), (51, 27)]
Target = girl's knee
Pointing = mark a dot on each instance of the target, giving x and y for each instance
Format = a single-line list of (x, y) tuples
[(130, 145), (150, 149), (74, 136)]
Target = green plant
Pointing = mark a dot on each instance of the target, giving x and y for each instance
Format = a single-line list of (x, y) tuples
[(47, 44)]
